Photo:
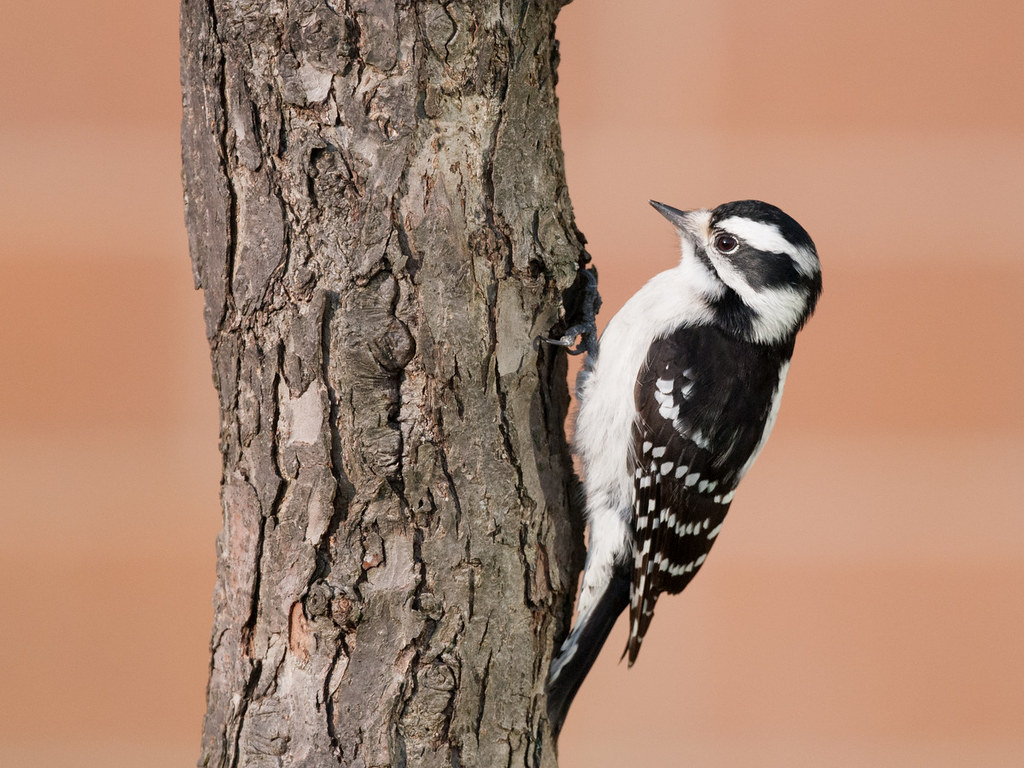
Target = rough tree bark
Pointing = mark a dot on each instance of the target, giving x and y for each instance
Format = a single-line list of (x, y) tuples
[(378, 218)]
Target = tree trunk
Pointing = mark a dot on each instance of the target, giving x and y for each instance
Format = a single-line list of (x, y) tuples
[(378, 218)]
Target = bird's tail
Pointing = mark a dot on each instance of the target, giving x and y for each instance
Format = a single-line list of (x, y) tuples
[(580, 649)]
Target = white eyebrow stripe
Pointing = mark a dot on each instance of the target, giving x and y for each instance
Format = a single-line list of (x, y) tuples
[(759, 234), (767, 237)]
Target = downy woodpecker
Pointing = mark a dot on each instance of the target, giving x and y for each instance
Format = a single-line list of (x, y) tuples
[(673, 410)]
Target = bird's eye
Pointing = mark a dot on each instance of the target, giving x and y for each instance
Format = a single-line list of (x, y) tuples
[(726, 243)]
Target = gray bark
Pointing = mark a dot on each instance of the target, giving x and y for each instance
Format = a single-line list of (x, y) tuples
[(378, 218)]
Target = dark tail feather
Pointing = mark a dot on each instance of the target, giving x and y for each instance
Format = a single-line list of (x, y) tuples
[(580, 650)]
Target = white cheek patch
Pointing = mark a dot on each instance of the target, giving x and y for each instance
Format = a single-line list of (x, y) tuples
[(767, 237), (776, 310)]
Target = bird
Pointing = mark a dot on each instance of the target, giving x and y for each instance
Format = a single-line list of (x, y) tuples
[(675, 404)]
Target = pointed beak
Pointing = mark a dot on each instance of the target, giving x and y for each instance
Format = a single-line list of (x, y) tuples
[(684, 221)]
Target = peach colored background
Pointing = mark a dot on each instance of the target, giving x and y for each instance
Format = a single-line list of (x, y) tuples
[(866, 603)]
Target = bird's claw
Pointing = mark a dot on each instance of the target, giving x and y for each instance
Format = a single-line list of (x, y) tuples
[(568, 339), (586, 330)]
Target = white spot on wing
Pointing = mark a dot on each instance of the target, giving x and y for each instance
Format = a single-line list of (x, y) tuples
[(700, 440)]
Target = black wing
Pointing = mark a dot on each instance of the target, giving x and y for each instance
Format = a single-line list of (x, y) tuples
[(703, 399)]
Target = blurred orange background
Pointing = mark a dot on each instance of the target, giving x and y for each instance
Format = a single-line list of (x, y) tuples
[(864, 606)]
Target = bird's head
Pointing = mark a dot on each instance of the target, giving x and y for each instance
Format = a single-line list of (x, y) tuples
[(757, 267)]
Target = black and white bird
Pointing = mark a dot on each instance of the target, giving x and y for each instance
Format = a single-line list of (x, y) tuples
[(674, 409)]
